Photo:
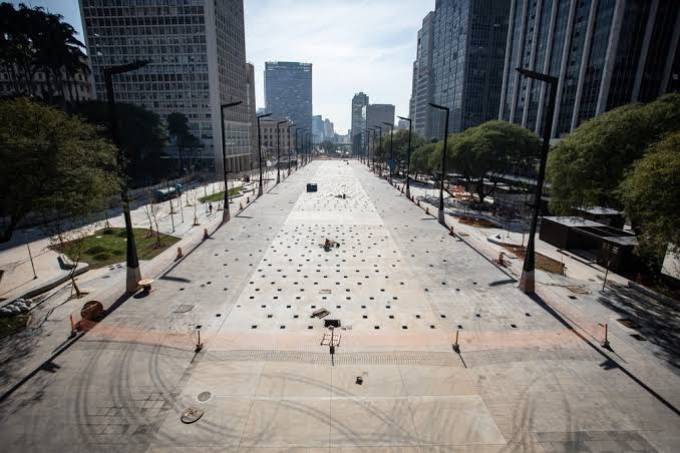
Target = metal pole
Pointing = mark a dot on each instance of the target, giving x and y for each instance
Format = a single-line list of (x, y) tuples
[(226, 215), (259, 150), (391, 162), (527, 280), (133, 273), (30, 257), (441, 216), (408, 156)]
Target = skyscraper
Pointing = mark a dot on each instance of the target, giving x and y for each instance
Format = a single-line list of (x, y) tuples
[(317, 128), (252, 112), (378, 114), (605, 53), (359, 101), (288, 91), (196, 50), (459, 64)]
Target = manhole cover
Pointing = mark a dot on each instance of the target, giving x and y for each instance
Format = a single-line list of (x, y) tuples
[(204, 396), (191, 415)]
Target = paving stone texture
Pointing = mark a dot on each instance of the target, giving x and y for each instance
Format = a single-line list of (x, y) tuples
[(401, 288)]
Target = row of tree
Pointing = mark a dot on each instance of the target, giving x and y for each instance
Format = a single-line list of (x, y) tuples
[(627, 159)]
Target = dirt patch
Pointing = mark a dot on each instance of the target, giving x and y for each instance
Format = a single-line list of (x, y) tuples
[(479, 223), (543, 262)]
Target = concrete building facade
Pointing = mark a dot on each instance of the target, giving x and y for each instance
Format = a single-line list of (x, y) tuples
[(196, 50), (605, 53), (271, 137), (288, 92), (359, 102), (377, 115), (459, 65)]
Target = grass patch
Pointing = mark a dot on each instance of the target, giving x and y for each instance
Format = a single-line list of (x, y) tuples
[(479, 223), (542, 262), (12, 324), (219, 196), (107, 246)]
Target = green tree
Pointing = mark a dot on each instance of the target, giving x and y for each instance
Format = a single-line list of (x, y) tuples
[(420, 159), (587, 167), (142, 136), (33, 40), (54, 166), (480, 153), (178, 127), (651, 197)]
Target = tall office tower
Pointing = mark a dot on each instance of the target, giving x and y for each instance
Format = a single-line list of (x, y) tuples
[(328, 130), (317, 128), (423, 80), (288, 92), (459, 64), (606, 53), (252, 112), (359, 101), (377, 115), (197, 52)]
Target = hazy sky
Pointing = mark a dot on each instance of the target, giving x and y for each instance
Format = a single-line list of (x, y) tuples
[(354, 45)]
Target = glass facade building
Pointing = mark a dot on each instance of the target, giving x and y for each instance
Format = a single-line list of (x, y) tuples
[(288, 92), (459, 64), (196, 50), (606, 53)]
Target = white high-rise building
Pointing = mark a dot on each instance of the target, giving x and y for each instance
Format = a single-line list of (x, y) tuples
[(196, 50)]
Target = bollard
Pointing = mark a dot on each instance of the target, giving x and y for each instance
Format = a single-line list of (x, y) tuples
[(240, 206), (456, 346), (427, 210), (451, 232), (199, 345), (205, 234), (179, 253), (73, 327), (247, 200), (605, 343)]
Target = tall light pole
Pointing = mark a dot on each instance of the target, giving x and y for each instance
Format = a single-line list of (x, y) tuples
[(291, 124), (297, 147), (441, 187), (391, 163), (379, 148), (367, 146), (527, 282), (225, 213), (278, 151), (259, 149), (408, 156), (133, 274)]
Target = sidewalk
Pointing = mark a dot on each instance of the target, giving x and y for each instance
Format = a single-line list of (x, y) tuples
[(578, 298), (49, 328)]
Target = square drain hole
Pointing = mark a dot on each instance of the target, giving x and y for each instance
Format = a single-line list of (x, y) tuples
[(331, 323)]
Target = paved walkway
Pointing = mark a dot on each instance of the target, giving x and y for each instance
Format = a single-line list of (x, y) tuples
[(400, 287)]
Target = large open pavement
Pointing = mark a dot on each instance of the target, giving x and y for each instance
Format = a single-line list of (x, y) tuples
[(401, 288)]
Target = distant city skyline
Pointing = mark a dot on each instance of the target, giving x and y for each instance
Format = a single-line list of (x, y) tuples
[(354, 46)]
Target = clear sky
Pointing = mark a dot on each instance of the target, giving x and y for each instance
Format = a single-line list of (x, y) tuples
[(354, 45)]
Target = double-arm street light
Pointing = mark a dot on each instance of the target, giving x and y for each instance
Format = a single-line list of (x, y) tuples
[(259, 149), (225, 213), (408, 156), (133, 274), (391, 162), (278, 150), (441, 187), (527, 281)]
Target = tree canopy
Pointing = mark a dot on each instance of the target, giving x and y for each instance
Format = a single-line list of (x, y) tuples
[(651, 196), (53, 165), (587, 167), (33, 40), (142, 137)]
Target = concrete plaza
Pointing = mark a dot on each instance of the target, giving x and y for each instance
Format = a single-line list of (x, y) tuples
[(401, 288)]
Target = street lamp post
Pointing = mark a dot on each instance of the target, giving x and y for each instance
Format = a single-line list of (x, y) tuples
[(259, 150), (441, 187), (278, 151), (133, 274), (391, 162), (288, 137), (527, 282), (225, 213), (408, 156), (379, 149), (297, 147)]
